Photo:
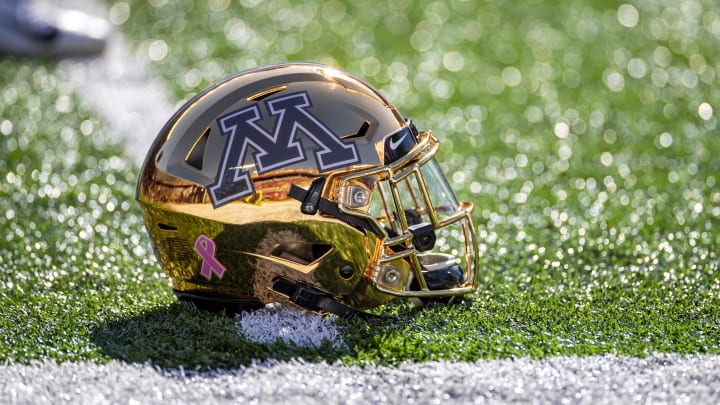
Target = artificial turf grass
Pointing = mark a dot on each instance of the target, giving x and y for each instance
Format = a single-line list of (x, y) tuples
[(539, 326), (180, 335), (585, 254), (71, 253)]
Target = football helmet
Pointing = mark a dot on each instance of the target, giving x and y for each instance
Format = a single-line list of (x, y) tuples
[(301, 184)]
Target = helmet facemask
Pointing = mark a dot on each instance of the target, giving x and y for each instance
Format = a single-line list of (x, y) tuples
[(426, 238)]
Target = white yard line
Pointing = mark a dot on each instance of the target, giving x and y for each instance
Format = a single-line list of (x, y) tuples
[(120, 88), (666, 379), (133, 106)]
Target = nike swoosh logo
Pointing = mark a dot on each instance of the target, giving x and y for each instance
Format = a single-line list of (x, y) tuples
[(394, 145)]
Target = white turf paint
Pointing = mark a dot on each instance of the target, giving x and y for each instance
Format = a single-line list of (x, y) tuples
[(119, 87), (596, 380), (135, 107), (279, 322)]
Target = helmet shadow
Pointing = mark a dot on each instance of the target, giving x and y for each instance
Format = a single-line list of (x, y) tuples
[(180, 335)]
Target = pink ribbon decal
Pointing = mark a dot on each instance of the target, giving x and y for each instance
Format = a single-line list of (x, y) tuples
[(206, 249)]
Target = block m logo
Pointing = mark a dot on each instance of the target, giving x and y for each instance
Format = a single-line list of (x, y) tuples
[(275, 150)]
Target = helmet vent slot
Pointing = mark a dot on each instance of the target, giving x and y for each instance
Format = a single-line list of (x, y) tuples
[(196, 154), (301, 252), (166, 227), (266, 93), (360, 133)]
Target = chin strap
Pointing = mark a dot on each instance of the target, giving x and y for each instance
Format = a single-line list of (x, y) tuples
[(309, 298), (311, 203), (314, 300)]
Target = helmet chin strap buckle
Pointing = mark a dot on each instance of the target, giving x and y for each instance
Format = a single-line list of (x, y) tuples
[(314, 300), (305, 296), (310, 202)]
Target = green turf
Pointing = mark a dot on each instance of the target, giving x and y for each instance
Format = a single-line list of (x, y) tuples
[(586, 137)]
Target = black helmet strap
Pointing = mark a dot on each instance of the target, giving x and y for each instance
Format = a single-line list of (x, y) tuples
[(311, 203), (313, 300)]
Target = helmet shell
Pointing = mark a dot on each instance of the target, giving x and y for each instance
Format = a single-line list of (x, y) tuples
[(307, 114)]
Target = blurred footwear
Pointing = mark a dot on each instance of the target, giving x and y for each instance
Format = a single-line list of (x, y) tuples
[(26, 32)]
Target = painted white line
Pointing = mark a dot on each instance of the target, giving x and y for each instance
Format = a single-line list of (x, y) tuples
[(120, 88), (278, 322), (597, 380)]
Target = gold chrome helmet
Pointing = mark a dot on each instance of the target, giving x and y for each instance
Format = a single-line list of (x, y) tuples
[(299, 183)]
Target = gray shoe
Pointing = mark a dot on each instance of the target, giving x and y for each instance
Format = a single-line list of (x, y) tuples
[(24, 32)]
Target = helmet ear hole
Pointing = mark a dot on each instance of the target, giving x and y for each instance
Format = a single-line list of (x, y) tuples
[(346, 271)]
